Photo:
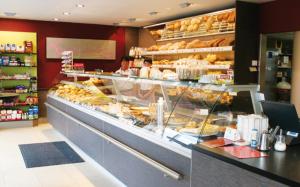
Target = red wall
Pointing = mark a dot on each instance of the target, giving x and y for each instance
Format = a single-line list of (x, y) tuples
[(48, 69), (280, 16)]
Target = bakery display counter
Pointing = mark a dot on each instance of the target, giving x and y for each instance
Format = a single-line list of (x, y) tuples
[(130, 153), (132, 126), (278, 169)]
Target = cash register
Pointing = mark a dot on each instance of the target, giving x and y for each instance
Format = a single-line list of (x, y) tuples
[(285, 116)]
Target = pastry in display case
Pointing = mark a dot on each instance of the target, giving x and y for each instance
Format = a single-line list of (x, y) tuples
[(169, 109)]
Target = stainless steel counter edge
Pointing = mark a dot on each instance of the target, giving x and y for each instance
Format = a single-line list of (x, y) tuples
[(154, 138)]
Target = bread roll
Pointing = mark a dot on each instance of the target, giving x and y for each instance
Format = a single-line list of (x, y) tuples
[(177, 25), (225, 16), (183, 28), (187, 22), (220, 17), (190, 28), (209, 23), (195, 27), (194, 21), (231, 17), (170, 27)]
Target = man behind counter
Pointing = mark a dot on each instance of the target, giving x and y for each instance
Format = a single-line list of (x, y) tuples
[(125, 87), (126, 63)]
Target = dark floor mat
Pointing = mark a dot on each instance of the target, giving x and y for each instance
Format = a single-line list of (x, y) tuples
[(48, 154)]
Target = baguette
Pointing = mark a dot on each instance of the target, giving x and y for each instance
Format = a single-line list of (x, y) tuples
[(227, 42), (217, 42)]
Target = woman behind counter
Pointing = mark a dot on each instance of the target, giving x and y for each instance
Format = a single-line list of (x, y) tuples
[(147, 91)]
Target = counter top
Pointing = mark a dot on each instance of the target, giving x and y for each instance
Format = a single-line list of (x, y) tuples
[(283, 167)]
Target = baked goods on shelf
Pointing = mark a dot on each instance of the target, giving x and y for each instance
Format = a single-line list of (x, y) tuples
[(156, 33), (194, 44), (200, 25)]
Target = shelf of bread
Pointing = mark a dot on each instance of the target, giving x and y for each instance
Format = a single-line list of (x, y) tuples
[(215, 23), (211, 67), (189, 51), (222, 44)]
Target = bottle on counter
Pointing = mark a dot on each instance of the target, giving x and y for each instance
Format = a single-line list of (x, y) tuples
[(160, 115), (254, 135)]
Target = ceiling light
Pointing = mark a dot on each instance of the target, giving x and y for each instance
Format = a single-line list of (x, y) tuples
[(10, 14), (66, 13), (185, 5), (55, 19), (132, 19), (80, 6), (168, 9), (153, 13)]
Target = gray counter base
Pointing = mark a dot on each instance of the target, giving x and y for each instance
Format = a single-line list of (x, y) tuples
[(127, 168)]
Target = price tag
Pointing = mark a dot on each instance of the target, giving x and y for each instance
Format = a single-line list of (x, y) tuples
[(252, 69), (187, 139), (254, 63), (233, 93), (203, 112), (232, 134)]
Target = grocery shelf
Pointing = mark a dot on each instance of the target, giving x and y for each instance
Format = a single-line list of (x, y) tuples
[(15, 53), (14, 79), (17, 104), (188, 51), (19, 66), (17, 120), (3, 95), (196, 35)]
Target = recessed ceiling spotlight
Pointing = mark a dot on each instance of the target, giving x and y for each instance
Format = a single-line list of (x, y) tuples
[(185, 5), (132, 19), (80, 6), (10, 14), (55, 19), (153, 13), (66, 13)]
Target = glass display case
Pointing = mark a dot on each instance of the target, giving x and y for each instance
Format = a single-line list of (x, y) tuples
[(184, 112)]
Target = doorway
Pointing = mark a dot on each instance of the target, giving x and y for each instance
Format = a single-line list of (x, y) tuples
[(276, 54)]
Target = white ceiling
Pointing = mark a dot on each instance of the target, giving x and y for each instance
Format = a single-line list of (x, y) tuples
[(108, 12)]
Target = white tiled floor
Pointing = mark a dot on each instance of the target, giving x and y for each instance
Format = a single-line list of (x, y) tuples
[(13, 172)]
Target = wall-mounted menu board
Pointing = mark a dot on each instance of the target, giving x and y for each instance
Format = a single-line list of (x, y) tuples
[(82, 48)]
